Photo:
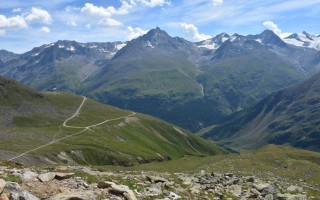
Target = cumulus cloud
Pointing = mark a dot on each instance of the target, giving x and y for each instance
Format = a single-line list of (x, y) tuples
[(38, 15), (107, 13), (12, 22), (217, 2), (35, 15), (45, 29), (126, 6), (108, 22), (94, 10), (272, 26), (192, 30), (91, 9), (135, 32)]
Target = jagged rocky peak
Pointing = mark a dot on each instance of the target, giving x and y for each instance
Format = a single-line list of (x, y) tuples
[(269, 37), (157, 39), (155, 36)]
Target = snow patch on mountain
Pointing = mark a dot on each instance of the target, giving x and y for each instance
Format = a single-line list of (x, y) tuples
[(215, 42), (49, 45), (71, 48), (120, 46), (259, 40), (149, 44), (35, 54)]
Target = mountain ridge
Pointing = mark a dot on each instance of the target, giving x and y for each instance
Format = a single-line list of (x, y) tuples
[(288, 116), (168, 76)]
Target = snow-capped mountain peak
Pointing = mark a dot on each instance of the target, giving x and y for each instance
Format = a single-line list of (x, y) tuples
[(215, 42), (304, 39)]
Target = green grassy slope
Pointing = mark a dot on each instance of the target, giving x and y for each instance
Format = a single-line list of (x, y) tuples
[(239, 82), (289, 117), (128, 140)]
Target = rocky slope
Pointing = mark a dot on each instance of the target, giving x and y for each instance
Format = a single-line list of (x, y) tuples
[(87, 184)]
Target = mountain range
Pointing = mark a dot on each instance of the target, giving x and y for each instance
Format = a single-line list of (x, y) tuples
[(170, 77)]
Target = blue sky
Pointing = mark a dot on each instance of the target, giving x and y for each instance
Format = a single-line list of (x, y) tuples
[(25, 24)]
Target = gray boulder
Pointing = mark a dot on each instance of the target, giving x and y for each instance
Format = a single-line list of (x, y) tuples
[(46, 176), (129, 195), (22, 195), (78, 195), (13, 186), (29, 176), (294, 189)]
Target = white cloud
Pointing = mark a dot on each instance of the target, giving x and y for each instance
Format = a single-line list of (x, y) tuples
[(192, 30), (153, 3), (135, 32), (45, 29), (12, 22), (71, 23), (272, 26), (217, 2), (125, 8), (91, 9), (38, 15), (108, 22)]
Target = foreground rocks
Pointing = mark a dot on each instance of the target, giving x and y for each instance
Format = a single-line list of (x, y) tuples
[(84, 183)]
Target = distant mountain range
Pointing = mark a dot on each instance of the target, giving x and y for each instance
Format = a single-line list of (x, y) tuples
[(170, 77), (287, 117)]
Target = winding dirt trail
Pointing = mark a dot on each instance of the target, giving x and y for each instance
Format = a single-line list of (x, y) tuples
[(54, 140)]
